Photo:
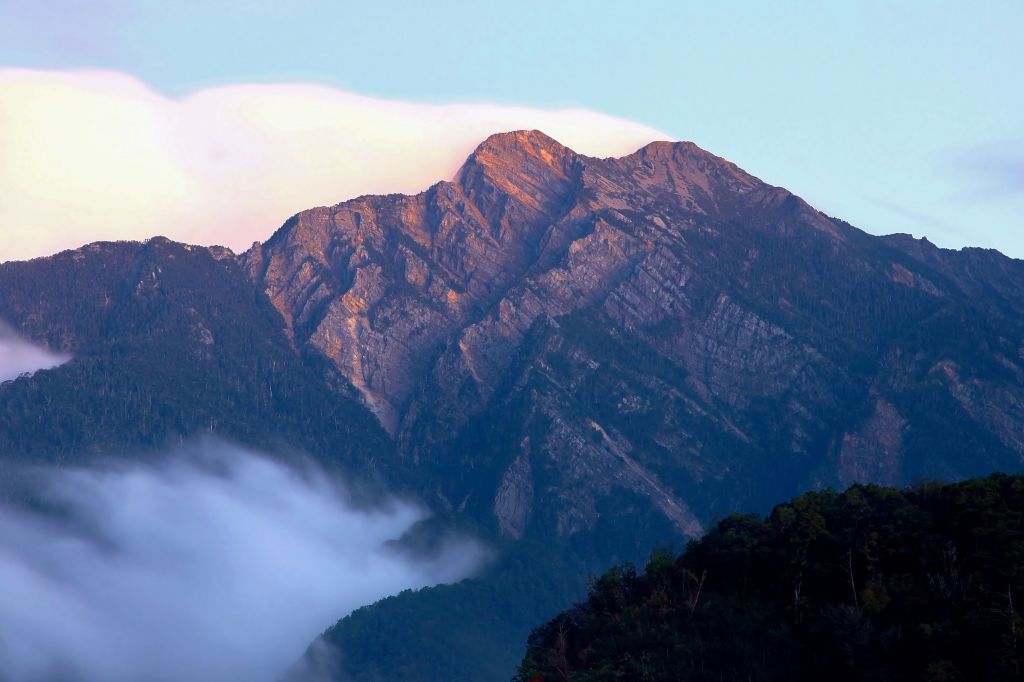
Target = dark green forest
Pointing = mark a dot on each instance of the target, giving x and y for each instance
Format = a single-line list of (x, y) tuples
[(875, 583), (168, 344)]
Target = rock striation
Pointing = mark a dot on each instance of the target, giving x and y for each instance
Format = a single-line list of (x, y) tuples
[(550, 326)]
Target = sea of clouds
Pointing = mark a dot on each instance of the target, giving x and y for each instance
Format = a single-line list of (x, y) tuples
[(213, 563)]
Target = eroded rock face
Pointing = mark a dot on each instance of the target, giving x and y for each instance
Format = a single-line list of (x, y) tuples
[(380, 284), (875, 451), (513, 504), (663, 325)]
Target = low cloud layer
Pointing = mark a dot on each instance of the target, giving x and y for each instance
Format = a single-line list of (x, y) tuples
[(18, 356), (98, 155), (215, 565)]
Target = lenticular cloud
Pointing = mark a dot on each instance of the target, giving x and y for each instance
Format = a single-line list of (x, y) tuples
[(218, 567)]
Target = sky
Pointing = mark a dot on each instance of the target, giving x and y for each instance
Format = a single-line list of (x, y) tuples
[(897, 117)]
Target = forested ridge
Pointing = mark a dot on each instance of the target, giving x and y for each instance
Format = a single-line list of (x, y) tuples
[(873, 583)]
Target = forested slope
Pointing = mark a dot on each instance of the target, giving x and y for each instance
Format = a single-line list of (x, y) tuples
[(870, 584)]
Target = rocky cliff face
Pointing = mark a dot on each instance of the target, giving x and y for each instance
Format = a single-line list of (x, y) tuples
[(380, 284), (554, 330)]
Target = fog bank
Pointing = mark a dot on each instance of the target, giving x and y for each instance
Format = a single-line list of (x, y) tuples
[(214, 565), (18, 356)]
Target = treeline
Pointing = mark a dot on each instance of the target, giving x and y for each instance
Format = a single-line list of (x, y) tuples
[(870, 584)]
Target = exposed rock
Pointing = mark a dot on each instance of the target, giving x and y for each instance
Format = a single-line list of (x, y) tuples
[(737, 332), (874, 453), (514, 502)]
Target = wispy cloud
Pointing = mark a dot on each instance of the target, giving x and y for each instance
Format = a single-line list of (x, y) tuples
[(92, 155), (18, 356), (218, 564), (925, 220), (991, 171)]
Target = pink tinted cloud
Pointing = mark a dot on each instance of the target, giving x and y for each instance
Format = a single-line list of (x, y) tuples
[(98, 155)]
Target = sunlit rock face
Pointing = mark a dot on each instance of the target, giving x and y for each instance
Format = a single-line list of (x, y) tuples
[(549, 330)]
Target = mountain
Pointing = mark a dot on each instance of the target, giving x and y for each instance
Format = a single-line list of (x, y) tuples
[(666, 324), (579, 358), (871, 584)]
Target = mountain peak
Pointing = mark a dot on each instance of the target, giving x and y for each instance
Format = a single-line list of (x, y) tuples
[(524, 168), (689, 156), (523, 141), (517, 152)]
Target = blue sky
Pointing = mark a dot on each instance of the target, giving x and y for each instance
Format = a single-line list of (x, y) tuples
[(901, 116)]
